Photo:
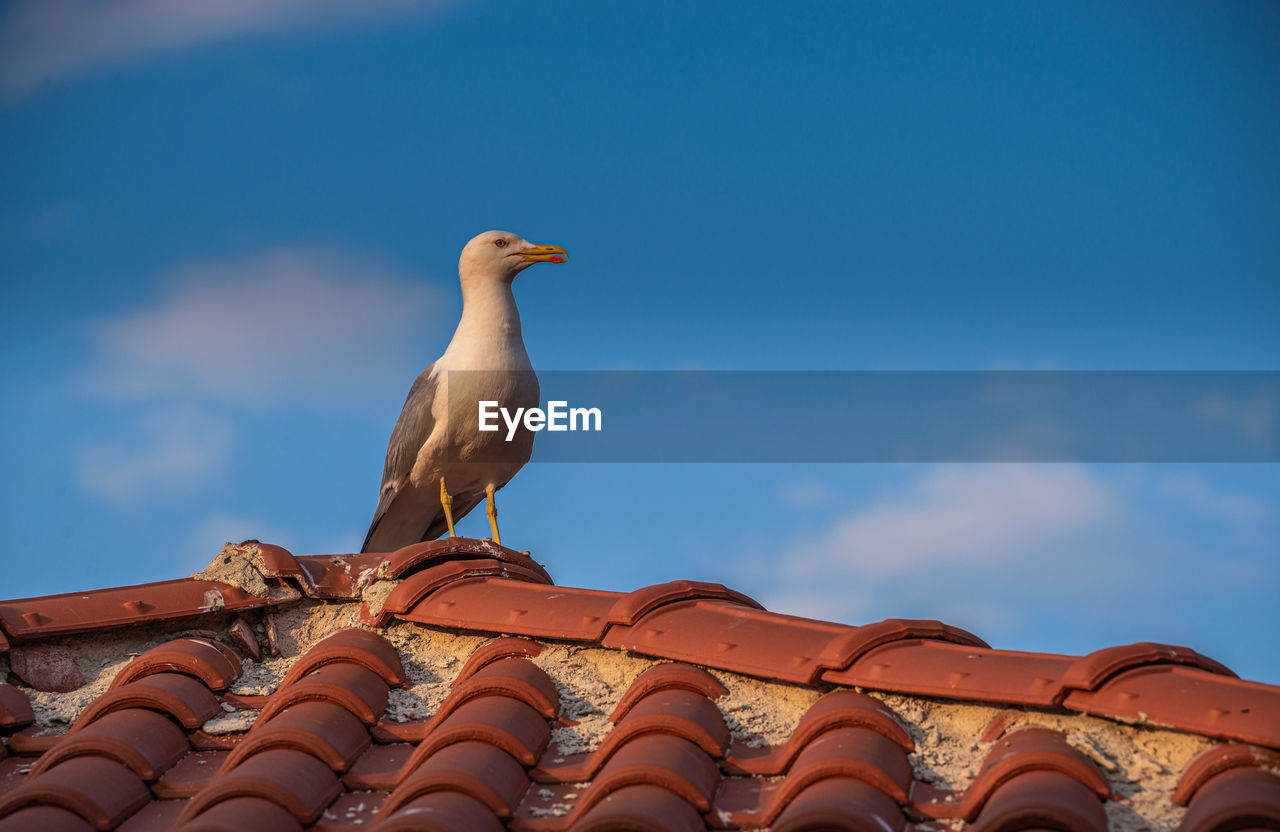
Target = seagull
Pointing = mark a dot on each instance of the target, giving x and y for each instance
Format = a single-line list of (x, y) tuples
[(439, 465)]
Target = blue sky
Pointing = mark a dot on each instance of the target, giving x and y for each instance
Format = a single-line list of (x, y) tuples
[(228, 241)]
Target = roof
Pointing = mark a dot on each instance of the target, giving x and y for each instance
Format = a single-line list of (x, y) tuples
[(450, 685)]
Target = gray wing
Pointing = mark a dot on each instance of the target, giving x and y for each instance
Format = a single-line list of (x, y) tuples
[(411, 431)]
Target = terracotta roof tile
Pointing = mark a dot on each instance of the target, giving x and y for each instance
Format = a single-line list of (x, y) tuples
[(293, 780), (330, 748), (184, 698), (1190, 699), (45, 819), (641, 808), (1241, 798), (1042, 800), (838, 803), (145, 741), (356, 646), (100, 790), (80, 612), (474, 768), (361, 691), (206, 660), (326, 731), (1212, 762), (442, 811), (243, 814), (498, 605)]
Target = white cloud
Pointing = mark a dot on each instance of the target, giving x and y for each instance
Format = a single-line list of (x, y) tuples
[(296, 327), (175, 453), (44, 40), (959, 515)]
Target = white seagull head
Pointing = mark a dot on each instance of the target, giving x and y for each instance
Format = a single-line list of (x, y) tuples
[(502, 255)]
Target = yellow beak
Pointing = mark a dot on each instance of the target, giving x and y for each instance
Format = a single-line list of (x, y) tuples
[(543, 254)]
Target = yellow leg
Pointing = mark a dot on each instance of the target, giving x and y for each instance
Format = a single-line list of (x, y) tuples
[(447, 501), (491, 509)]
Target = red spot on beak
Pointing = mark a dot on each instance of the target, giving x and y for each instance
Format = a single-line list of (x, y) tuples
[(555, 258)]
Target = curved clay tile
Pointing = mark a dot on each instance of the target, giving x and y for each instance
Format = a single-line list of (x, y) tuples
[(1241, 798), (515, 677), (291, 779), (443, 811), (476, 769), (506, 647), (243, 814), (326, 731), (1188, 699), (1212, 762), (836, 709), (203, 658), (145, 741), (45, 819), (355, 645), (1030, 750), (838, 804), (501, 721), (671, 712), (403, 561), (1042, 800), (184, 698), (641, 808), (855, 753), (1088, 672), (351, 686), (634, 606), (420, 585), (101, 791), (498, 605), (676, 675), (676, 765)]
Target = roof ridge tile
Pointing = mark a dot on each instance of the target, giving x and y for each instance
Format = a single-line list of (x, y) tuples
[(635, 605), (511, 607), (1187, 699), (1091, 671), (403, 561), (422, 583)]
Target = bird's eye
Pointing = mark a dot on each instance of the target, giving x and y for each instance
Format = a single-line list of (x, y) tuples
[(500, 243)]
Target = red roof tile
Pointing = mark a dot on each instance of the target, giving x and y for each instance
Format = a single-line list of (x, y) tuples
[(325, 753)]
